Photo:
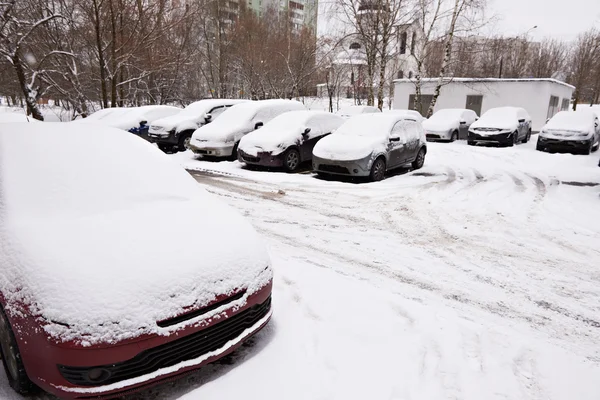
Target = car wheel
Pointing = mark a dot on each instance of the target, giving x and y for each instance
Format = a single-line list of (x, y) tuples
[(470, 143), (515, 139), (539, 147), (589, 149), (377, 170), (454, 136), (291, 160), (596, 146), (11, 358), (184, 141), (165, 148), (234, 152), (420, 160), (527, 137)]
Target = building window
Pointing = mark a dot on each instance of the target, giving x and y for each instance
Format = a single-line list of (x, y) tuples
[(410, 74), (352, 78), (355, 46), (413, 42), (423, 108), (565, 105), (552, 107), (474, 102), (403, 43), (400, 74)]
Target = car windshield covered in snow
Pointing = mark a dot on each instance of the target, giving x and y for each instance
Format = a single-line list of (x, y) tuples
[(453, 114), (357, 110), (368, 125), (572, 121)]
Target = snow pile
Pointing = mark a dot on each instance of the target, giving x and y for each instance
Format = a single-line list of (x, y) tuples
[(357, 110), (108, 242), (9, 117), (192, 116), (505, 118), (241, 119), (286, 130), (358, 137), (570, 123)]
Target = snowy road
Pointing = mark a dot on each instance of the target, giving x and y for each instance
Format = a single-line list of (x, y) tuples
[(477, 277)]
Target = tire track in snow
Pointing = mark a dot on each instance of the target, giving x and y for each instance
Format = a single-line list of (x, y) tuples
[(540, 186)]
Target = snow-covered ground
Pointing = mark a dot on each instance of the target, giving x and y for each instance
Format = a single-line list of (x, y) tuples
[(477, 277)]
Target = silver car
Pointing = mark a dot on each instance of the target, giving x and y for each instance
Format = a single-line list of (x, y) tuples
[(369, 145)]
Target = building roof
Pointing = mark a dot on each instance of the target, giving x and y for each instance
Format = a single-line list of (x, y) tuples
[(489, 80)]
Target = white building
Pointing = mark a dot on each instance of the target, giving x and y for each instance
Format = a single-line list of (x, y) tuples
[(542, 98)]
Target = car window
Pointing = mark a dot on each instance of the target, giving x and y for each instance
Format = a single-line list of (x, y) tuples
[(412, 130), (316, 126), (398, 130), (215, 112)]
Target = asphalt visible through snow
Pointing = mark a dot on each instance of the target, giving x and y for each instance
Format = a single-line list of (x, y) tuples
[(477, 277)]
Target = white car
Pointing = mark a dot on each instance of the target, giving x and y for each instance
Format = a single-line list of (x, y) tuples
[(571, 131), (221, 138), (502, 125), (132, 119), (174, 132), (351, 111), (450, 124), (410, 113), (107, 284), (288, 140), (369, 145)]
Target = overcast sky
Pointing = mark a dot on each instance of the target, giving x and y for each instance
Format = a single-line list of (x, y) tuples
[(562, 19)]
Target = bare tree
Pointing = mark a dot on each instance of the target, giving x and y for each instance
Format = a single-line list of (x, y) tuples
[(584, 59)]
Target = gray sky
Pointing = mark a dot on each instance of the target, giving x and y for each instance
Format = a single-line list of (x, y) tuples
[(562, 19)]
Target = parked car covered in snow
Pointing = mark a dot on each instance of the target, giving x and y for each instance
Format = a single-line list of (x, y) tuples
[(369, 145), (9, 116), (571, 131), (288, 140), (351, 111), (222, 137), (136, 120), (502, 125), (91, 303), (173, 133), (450, 124)]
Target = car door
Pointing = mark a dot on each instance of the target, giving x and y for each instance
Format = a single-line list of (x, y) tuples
[(397, 145), (464, 124), (524, 123), (310, 138), (412, 134)]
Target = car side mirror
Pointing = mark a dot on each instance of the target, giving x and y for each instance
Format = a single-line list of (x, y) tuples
[(143, 122), (207, 118), (395, 139), (258, 125), (306, 132)]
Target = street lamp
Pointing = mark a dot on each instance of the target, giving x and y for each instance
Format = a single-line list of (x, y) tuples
[(526, 34)]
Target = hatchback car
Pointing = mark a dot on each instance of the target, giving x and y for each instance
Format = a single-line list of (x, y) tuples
[(502, 125), (106, 282), (288, 140), (369, 145), (222, 137), (571, 131), (449, 124), (173, 133)]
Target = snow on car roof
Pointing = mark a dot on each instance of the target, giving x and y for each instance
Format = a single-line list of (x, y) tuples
[(85, 218), (572, 121), (357, 110), (371, 124), (206, 105), (454, 113)]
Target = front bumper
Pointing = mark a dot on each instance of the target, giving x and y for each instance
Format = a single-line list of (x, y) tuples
[(142, 362), (212, 151), (360, 168), (433, 136), (566, 145), (498, 138), (163, 138), (266, 159)]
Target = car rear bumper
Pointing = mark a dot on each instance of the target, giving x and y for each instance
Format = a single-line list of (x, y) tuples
[(564, 145), (265, 159), (500, 138), (147, 361), (358, 168)]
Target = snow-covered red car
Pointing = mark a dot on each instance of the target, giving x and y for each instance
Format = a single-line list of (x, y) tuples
[(107, 283)]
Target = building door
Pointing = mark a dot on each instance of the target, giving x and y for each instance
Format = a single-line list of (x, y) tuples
[(426, 100), (474, 102)]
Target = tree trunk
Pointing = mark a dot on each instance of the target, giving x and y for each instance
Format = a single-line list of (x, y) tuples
[(31, 95), (101, 60)]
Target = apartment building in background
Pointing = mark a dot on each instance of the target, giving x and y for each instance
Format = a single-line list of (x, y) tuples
[(301, 12)]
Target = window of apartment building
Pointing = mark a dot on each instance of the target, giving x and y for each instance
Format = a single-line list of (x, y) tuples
[(552, 107), (355, 46), (400, 74), (403, 38), (565, 105), (474, 102), (413, 43), (410, 74)]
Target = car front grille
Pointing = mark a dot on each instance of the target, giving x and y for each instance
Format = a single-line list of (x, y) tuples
[(336, 169), (433, 136), (249, 158), (169, 354)]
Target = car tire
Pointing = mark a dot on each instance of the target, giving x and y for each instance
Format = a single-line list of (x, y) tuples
[(539, 147), (166, 148), (11, 359), (454, 136), (420, 159), (470, 143), (377, 170), (589, 149), (596, 146), (514, 139), (291, 160), (234, 152), (527, 137)]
